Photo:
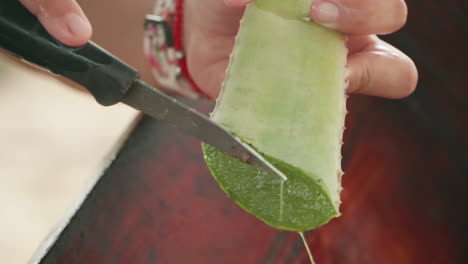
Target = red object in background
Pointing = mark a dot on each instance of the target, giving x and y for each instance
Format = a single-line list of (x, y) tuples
[(405, 187)]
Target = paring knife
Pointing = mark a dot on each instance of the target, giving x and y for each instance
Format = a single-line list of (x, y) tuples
[(111, 81)]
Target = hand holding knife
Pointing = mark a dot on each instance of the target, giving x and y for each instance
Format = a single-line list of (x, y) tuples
[(111, 81)]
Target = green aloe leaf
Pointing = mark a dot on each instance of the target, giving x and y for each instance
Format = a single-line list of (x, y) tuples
[(284, 94)]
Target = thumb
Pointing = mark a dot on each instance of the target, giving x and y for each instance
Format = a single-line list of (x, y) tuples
[(63, 19)]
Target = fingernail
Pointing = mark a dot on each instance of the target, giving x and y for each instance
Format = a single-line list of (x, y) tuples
[(326, 14), (77, 25)]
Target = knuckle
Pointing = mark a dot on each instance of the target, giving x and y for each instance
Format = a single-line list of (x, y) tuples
[(364, 80)]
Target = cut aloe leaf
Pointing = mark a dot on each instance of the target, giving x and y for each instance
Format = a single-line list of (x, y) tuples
[(284, 94)]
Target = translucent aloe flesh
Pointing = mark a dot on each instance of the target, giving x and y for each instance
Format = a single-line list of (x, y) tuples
[(284, 95)]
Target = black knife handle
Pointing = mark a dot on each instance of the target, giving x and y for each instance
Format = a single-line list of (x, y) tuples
[(104, 75)]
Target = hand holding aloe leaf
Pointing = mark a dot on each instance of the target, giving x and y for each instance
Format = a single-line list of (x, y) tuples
[(375, 67), (284, 93)]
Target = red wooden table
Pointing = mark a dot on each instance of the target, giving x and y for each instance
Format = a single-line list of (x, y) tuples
[(405, 187)]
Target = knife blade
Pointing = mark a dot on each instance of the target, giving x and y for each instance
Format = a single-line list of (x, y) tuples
[(111, 81), (157, 104)]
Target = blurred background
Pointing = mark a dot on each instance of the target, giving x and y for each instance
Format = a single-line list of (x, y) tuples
[(53, 139)]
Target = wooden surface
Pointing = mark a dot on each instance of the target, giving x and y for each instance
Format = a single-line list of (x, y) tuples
[(53, 139), (404, 198)]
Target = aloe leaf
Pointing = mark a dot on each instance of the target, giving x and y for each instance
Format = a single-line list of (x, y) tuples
[(284, 94)]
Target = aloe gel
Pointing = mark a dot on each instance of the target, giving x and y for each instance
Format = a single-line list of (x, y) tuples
[(284, 95)]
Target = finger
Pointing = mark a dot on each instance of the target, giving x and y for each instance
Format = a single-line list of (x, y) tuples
[(379, 69), (360, 17), (236, 3), (63, 19)]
